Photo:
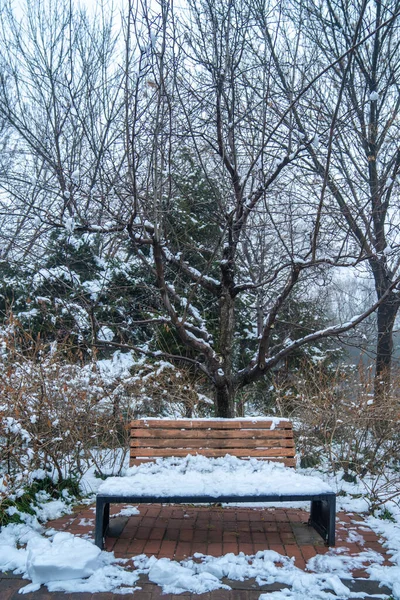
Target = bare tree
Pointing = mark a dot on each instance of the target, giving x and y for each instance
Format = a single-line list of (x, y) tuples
[(214, 99), (60, 96), (186, 162), (354, 110)]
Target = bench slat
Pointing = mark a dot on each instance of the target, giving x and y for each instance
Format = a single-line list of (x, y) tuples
[(288, 462), (211, 443), (244, 438), (210, 424), (212, 434), (162, 452)]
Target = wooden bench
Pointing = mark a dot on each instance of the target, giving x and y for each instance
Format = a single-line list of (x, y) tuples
[(261, 439)]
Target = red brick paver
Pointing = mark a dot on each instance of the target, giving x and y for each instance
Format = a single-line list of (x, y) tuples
[(178, 532)]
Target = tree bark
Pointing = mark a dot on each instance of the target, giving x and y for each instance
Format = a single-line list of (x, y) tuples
[(225, 390), (386, 316), (225, 401)]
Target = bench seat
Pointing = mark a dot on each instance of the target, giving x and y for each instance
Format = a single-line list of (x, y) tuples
[(201, 476), (199, 479)]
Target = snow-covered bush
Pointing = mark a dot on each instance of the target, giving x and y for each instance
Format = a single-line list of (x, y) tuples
[(55, 415), (59, 417)]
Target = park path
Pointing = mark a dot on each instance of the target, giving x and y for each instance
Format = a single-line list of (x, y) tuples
[(177, 532)]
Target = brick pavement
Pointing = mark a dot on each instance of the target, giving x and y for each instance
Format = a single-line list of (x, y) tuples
[(178, 532)]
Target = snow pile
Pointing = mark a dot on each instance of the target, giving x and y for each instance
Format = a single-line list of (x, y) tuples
[(341, 564), (176, 578), (65, 557), (205, 573), (201, 476), (46, 511), (63, 562)]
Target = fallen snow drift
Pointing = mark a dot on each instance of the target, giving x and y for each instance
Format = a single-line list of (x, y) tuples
[(202, 476), (63, 562), (65, 557), (205, 573)]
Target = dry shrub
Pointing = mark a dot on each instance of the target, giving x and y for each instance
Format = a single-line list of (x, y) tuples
[(56, 417), (338, 421), (59, 417)]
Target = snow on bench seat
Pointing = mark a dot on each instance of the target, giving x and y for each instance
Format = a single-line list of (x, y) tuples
[(201, 476)]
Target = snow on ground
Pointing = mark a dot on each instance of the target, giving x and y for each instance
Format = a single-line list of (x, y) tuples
[(128, 511), (390, 532), (61, 561), (71, 564), (64, 562), (206, 572)]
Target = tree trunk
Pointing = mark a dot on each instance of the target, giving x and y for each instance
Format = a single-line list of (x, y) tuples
[(386, 316), (224, 388), (225, 401)]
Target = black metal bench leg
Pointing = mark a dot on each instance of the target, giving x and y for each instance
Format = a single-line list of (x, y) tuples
[(322, 518), (332, 521), (102, 521)]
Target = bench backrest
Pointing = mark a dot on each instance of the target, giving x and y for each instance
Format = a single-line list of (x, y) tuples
[(261, 439)]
